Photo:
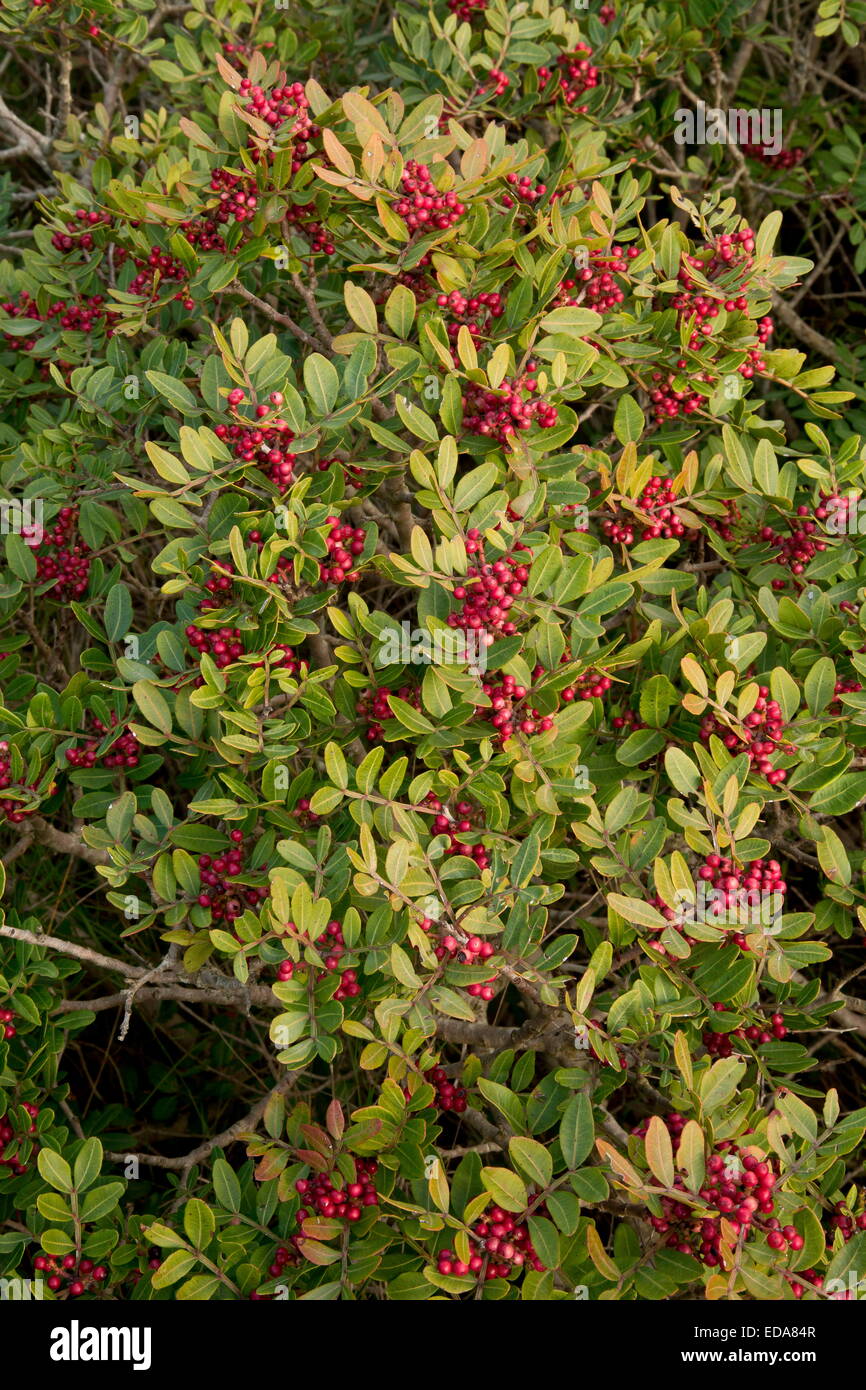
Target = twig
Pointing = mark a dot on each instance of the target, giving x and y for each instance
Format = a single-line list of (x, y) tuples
[(219, 1141)]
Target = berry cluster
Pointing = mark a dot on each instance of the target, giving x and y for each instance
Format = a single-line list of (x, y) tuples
[(497, 82), (448, 1095), (576, 75), (157, 268), (783, 159), (303, 217), (372, 705), (83, 316), (122, 753), (590, 685), (843, 687), (490, 590), (80, 1276), (843, 1220), (227, 900), (422, 206), (79, 231), (500, 413), (7, 1132), (658, 501), (263, 445), (722, 1044), (762, 736), (838, 510), (796, 549), (501, 1245), (736, 894), (469, 952), (224, 644), (595, 286), (724, 525), (353, 474), (60, 561), (8, 1027), (505, 696), (817, 1282), (238, 199), (467, 9), (322, 1197), (446, 823), (303, 815), (332, 947), (10, 809), (287, 110), (473, 313), (739, 1188), (523, 189), (730, 252), (279, 108), (345, 543), (628, 721)]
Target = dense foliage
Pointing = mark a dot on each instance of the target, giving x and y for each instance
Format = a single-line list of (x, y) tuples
[(433, 676)]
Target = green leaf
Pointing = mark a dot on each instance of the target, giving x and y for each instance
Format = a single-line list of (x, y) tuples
[(173, 1267), (572, 321), (118, 612), (720, 1082), (226, 1187), (684, 775), (657, 697), (506, 1188), (153, 705), (409, 717), (628, 420), (199, 1223), (576, 1131), (174, 392), (198, 1289), (361, 308), (53, 1207), (417, 421), (164, 1236), (840, 796), (400, 311), (20, 558), (659, 1151), (475, 485), (525, 862), (88, 1164), (640, 746), (99, 1201), (819, 685), (336, 765), (851, 1257), (545, 1241), (322, 382), (533, 1159), (506, 1101), (55, 1170)]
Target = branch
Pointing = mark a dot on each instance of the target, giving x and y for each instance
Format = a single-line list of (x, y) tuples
[(27, 140), (65, 843), (69, 948), (275, 315), (325, 335), (219, 1141), (810, 336)]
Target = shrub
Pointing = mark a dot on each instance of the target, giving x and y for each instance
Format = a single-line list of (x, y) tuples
[(433, 711)]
